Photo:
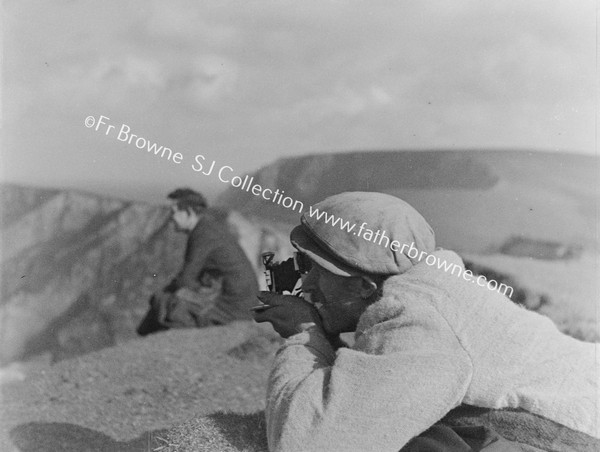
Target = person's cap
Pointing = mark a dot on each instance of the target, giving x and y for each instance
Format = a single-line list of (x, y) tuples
[(356, 233)]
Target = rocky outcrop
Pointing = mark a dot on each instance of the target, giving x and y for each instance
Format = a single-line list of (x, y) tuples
[(78, 269)]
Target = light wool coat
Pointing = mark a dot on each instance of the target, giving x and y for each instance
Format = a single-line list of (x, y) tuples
[(432, 342)]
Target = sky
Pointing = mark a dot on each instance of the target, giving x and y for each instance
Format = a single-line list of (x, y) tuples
[(244, 83)]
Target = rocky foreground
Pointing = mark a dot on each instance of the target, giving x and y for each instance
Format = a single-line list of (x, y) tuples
[(126, 398)]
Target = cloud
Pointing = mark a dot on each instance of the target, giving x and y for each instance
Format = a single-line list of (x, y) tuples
[(133, 70), (185, 21), (287, 77), (343, 101), (108, 81), (212, 78)]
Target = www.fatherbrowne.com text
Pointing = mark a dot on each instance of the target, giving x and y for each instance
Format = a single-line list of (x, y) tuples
[(380, 238)]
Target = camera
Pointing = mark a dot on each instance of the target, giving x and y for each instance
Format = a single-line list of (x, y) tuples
[(284, 276)]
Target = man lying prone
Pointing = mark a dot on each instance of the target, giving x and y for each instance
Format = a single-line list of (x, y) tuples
[(426, 343)]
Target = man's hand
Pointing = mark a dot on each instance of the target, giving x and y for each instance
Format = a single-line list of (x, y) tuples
[(289, 315)]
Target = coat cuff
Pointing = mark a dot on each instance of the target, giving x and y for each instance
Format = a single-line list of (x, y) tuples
[(314, 338)]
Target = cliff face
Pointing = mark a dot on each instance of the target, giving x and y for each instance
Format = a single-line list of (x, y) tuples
[(78, 269), (475, 200)]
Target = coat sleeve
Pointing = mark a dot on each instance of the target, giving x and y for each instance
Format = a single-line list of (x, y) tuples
[(199, 247), (401, 377)]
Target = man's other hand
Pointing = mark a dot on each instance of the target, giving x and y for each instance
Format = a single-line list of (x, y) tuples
[(288, 314)]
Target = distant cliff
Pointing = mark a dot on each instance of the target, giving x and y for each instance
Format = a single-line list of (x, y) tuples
[(78, 269), (475, 200)]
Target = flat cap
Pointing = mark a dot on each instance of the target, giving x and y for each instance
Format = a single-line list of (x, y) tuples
[(363, 232)]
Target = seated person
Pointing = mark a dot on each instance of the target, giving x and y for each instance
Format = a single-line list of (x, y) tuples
[(217, 283), (426, 341)]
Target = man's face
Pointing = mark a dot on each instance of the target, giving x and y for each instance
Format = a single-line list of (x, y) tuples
[(338, 299), (183, 219)]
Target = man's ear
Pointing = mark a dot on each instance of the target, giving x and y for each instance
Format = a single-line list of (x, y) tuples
[(368, 287)]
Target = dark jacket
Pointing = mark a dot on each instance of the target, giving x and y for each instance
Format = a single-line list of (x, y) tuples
[(213, 253)]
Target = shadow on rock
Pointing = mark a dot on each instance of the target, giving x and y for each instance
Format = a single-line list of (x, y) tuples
[(60, 436), (221, 432)]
